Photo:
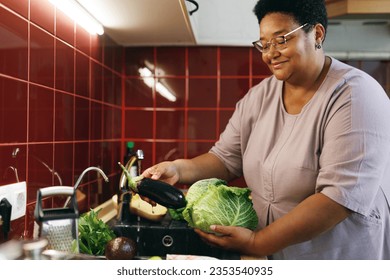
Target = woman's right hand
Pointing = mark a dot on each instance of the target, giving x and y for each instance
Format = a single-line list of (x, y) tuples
[(165, 171)]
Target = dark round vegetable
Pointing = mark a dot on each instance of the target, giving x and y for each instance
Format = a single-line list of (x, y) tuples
[(121, 248)]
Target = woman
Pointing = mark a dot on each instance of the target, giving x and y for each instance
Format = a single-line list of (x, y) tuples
[(313, 143)]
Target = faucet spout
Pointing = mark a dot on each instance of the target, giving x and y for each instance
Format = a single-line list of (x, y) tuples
[(123, 179), (85, 172), (125, 192), (82, 176), (124, 215)]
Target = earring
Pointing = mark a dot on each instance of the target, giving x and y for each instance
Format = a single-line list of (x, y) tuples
[(318, 46)]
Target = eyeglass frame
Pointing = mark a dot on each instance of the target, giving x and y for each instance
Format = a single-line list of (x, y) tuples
[(276, 45)]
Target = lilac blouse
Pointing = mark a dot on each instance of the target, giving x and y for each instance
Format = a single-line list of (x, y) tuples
[(338, 145)]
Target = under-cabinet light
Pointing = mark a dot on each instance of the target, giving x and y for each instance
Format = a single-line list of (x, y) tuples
[(146, 74), (76, 12)]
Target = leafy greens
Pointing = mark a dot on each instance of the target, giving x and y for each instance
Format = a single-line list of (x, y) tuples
[(212, 202), (93, 234)]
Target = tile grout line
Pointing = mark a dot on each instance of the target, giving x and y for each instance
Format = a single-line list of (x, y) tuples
[(26, 218)]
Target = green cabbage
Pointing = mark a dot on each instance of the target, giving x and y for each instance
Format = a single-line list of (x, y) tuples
[(212, 202), (194, 192), (199, 188)]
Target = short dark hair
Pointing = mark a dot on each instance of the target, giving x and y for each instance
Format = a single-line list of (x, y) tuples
[(303, 11)]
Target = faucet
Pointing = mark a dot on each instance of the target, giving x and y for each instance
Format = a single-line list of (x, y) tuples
[(82, 176), (125, 194), (123, 180), (137, 157)]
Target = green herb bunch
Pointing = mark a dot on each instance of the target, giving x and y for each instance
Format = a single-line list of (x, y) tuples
[(93, 234)]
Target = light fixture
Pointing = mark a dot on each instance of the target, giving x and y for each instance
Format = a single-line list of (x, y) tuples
[(76, 12), (147, 76)]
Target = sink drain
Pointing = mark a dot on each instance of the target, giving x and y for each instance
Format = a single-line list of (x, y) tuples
[(167, 241)]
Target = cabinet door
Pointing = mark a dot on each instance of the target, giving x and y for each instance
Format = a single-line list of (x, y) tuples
[(352, 8)]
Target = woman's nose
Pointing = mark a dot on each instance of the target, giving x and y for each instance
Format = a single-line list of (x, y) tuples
[(272, 52)]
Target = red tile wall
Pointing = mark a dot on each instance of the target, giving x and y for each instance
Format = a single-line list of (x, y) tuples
[(60, 105), (71, 100), (207, 82)]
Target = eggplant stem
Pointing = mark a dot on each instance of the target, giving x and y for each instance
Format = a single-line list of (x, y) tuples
[(130, 181)]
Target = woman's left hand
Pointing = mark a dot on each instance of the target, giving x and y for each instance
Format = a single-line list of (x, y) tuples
[(229, 238)]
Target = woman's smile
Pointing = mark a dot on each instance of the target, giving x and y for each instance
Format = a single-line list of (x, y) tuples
[(277, 65)]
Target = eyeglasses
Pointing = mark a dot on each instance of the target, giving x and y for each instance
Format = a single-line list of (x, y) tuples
[(278, 43)]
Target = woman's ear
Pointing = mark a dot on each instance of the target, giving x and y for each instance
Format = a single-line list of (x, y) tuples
[(319, 33)]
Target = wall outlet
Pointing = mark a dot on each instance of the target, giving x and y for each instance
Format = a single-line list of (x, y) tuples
[(16, 194)]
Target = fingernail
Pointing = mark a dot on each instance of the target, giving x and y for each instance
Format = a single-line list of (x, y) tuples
[(212, 227)]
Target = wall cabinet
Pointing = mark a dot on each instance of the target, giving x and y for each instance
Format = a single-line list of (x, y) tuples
[(356, 8)]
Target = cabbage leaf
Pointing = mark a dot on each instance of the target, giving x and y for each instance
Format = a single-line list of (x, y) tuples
[(212, 202)]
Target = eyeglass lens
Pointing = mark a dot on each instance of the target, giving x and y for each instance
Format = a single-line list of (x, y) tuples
[(277, 42)]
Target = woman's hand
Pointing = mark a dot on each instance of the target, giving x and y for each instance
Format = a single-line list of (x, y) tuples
[(188, 171), (230, 238), (165, 171)]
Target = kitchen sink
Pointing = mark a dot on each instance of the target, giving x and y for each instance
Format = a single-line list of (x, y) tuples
[(166, 237)]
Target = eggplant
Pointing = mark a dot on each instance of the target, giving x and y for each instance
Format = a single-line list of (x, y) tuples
[(161, 193)]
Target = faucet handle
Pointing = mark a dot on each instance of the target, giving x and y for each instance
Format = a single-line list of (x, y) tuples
[(140, 157), (140, 154)]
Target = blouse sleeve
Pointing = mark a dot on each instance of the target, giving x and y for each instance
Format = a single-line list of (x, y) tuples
[(356, 149), (228, 147), (233, 141)]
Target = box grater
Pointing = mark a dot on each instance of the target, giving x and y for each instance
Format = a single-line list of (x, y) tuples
[(58, 225)]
